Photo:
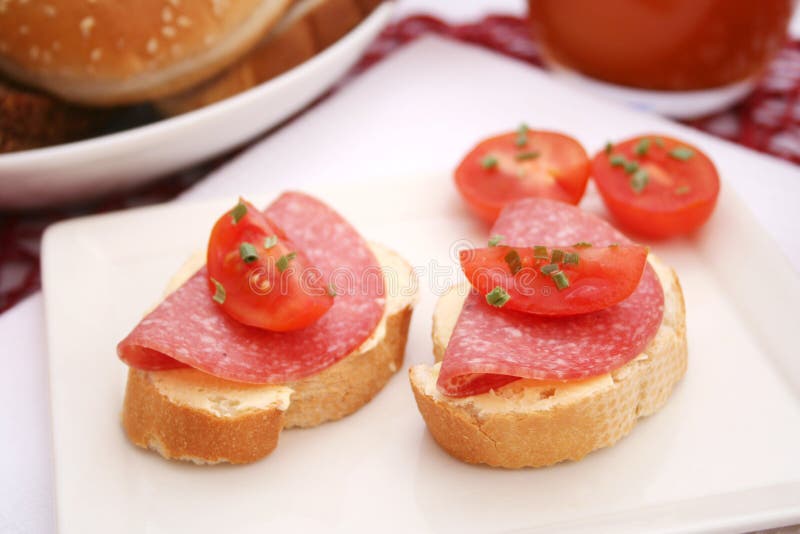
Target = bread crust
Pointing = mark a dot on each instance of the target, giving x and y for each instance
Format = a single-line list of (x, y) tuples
[(566, 430), (290, 44), (346, 386), (151, 420)]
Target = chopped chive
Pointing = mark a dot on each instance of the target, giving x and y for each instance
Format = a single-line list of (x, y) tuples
[(639, 181), (239, 211), (558, 256), (514, 261), (617, 160), (270, 241), (549, 269), (631, 167), (681, 152), (495, 240), (642, 146), (582, 244), (571, 258), (540, 253), (248, 252), (332, 290), (527, 155), (522, 135), (682, 190), (219, 294), (489, 162), (659, 141), (497, 297), (283, 262), (561, 280), (609, 147)]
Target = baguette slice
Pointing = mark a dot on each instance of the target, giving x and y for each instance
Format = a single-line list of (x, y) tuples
[(309, 27), (185, 414), (531, 423)]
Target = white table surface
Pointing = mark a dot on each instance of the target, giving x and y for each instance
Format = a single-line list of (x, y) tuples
[(25, 447)]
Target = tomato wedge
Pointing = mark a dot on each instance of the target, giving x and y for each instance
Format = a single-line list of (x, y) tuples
[(546, 280), (525, 163), (258, 277), (657, 186)]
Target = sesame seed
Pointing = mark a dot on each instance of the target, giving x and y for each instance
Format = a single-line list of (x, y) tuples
[(168, 31), (152, 45), (219, 6), (96, 54), (184, 21), (24, 29), (49, 10), (166, 14), (34, 52), (86, 26)]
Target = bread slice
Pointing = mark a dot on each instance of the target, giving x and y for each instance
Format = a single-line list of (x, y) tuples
[(185, 414), (531, 423), (309, 27), (30, 119)]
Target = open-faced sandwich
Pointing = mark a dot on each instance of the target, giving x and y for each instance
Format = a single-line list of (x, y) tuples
[(566, 335), (566, 332), (290, 319)]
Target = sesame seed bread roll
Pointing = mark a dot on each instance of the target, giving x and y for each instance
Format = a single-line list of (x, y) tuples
[(109, 52)]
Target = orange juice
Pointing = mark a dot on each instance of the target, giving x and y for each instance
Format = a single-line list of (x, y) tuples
[(662, 44)]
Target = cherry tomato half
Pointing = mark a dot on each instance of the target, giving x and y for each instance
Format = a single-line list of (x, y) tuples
[(546, 280), (657, 186), (258, 277), (525, 163)]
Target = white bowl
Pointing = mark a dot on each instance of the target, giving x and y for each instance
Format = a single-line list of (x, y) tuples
[(97, 166)]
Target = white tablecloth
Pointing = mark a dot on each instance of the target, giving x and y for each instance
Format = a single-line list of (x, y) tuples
[(25, 448)]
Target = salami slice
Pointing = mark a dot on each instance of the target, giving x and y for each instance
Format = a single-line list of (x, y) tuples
[(491, 347), (188, 328)]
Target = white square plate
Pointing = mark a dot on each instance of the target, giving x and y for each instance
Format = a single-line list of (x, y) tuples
[(722, 454)]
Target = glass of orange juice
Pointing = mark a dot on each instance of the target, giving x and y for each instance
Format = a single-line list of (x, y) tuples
[(679, 57)]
